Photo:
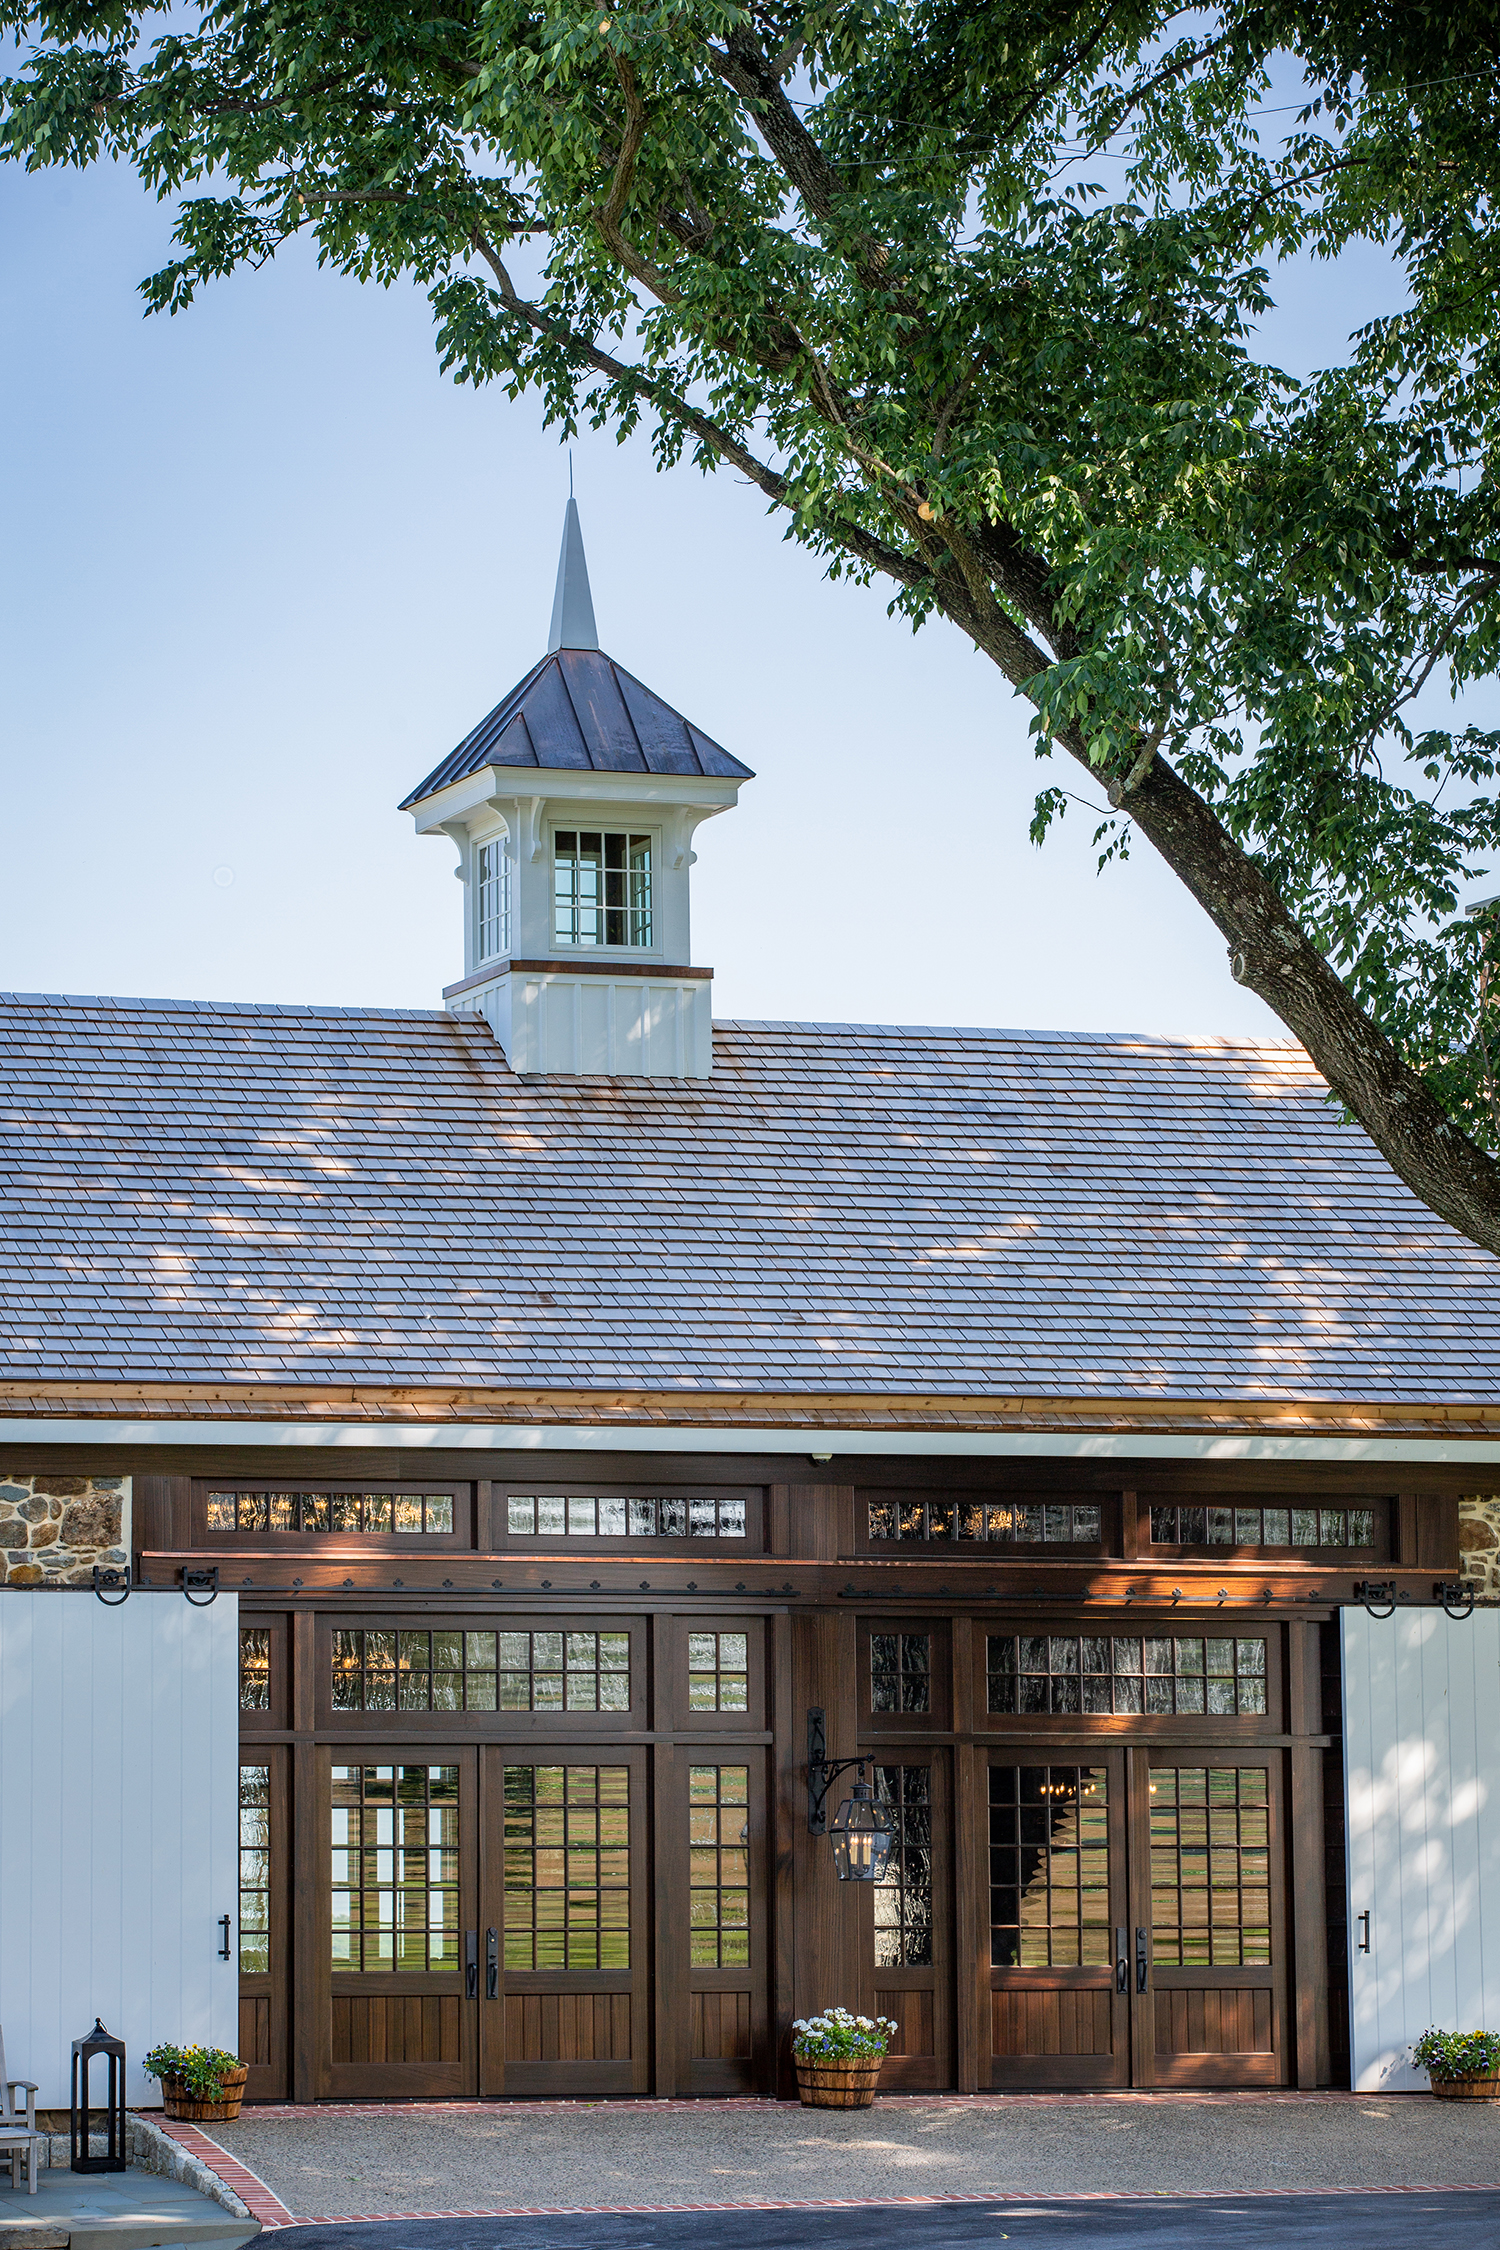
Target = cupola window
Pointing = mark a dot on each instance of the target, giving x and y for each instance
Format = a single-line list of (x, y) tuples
[(601, 887), (491, 900)]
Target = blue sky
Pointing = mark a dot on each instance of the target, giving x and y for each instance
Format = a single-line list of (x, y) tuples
[(264, 566)]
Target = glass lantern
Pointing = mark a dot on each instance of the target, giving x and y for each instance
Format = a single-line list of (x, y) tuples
[(862, 1834)]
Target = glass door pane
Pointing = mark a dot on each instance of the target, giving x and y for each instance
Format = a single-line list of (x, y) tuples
[(1056, 1885)]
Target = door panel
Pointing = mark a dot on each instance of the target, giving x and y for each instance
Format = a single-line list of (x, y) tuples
[(263, 1922), (1057, 1896), (908, 1926), (398, 1903), (728, 2025), (568, 1903), (1212, 1852)]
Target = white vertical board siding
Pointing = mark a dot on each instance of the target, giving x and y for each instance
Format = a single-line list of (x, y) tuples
[(1422, 1774), (119, 1837)]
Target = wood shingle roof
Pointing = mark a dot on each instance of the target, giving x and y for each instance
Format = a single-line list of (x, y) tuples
[(194, 1193)]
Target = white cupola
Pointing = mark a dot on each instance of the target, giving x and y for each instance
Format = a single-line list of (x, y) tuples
[(573, 807)]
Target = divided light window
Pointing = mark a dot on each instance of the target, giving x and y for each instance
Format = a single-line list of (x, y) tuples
[(693, 1516), (395, 1867), (718, 1672), (900, 1671), (467, 1671), (491, 900), (719, 1866), (1024, 1523), (429, 1513), (255, 1667), (255, 1870), (903, 1896), (601, 887), (1263, 1527), (1097, 1674), (567, 1867)]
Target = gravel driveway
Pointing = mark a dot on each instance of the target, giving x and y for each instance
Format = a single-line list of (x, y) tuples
[(326, 2163)]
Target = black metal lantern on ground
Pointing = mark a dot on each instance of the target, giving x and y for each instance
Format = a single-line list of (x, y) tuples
[(861, 1831), (98, 2042)]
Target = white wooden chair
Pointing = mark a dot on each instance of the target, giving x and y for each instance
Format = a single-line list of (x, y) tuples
[(19, 2137)]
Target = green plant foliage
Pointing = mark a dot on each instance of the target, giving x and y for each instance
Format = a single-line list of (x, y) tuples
[(970, 295), (199, 2070), (1457, 2054)]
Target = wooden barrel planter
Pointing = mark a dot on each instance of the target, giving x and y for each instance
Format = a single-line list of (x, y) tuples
[(193, 2109), (1482, 2089), (843, 2082)]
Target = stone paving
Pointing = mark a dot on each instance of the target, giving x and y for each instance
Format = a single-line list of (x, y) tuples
[(370, 2160)]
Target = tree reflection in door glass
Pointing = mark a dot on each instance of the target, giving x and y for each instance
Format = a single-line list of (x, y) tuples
[(1049, 1866), (1210, 1866)]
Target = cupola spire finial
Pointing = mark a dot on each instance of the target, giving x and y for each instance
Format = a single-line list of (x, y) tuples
[(572, 605)]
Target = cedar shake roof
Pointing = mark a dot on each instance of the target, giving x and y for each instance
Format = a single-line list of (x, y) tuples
[(196, 1193), (579, 710)]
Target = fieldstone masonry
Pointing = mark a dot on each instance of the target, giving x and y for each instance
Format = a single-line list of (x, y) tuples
[(1479, 1545), (54, 1529)]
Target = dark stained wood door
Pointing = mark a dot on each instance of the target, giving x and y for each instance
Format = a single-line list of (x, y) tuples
[(907, 1919), (398, 1977), (1209, 1853), (1056, 1889), (565, 1892), (263, 1920), (725, 2050)]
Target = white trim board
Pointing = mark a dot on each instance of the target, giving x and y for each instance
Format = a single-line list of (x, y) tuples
[(646, 1437)]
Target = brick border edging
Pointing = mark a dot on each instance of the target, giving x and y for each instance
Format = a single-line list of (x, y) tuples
[(897, 2202), (247, 2187)]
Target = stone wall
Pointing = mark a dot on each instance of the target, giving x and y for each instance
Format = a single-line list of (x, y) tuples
[(54, 1529), (1479, 1545)]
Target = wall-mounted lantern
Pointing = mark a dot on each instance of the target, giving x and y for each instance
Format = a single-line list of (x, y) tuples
[(98, 2042), (861, 1831)]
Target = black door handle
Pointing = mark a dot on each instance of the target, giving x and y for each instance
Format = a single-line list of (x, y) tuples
[(1364, 1943), (471, 1963), (1142, 1959), (492, 1963), (224, 1952), (1122, 1961)]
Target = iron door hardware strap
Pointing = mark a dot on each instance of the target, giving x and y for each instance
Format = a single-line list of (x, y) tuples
[(471, 1964), (492, 1963), (1122, 1960), (1142, 1958)]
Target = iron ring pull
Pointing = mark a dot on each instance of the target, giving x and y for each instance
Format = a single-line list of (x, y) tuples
[(471, 1963)]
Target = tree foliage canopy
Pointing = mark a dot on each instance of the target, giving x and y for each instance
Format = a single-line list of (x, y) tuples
[(971, 294)]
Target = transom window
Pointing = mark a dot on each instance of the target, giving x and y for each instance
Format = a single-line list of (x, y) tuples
[(255, 1667), (1049, 1866), (719, 1866), (704, 1515), (1210, 1866), (491, 900), (395, 1867), (567, 1867), (1263, 1527), (405, 1512), (900, 1671), (1024, 1523), (1099, 1674), (255, 1870), (601, 887), (459, 1670), (903, 1896), (718, 1672)]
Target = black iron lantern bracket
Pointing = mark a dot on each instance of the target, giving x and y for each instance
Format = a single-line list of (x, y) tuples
[(1378, 1596), (1456, 1596), (823, 1772)]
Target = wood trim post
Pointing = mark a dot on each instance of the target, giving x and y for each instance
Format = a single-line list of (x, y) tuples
[(970, 1969), (1307, 1915), (667, 1873), (781, 1812), (1130, 1528), (307, 1974)]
